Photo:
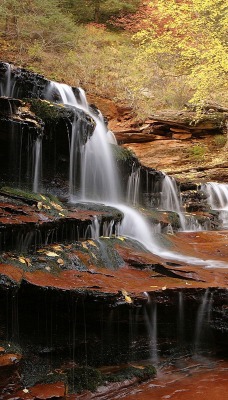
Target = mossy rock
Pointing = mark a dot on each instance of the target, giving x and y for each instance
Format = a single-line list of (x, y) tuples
[(123, 154), (49, 112), (50, 204), (142, 374), (84, 378)]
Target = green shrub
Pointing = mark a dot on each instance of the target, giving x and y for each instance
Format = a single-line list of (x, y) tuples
[(220, 140), (197, 152)]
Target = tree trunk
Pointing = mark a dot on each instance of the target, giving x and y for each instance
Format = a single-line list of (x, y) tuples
[(97, 11)]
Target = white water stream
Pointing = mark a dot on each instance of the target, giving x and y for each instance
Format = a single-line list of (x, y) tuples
[(217, 198)]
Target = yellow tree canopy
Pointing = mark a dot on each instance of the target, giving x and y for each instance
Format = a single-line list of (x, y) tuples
[(189, 37)]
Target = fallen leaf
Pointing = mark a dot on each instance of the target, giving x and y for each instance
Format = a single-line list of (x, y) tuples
[(126, 296), (39, 205), (46, 207), (92, 243), (51, 254), (22, 260), (164, 288), (60, 261), (57, 247), (57, 206), (128, 299), (28, 262)]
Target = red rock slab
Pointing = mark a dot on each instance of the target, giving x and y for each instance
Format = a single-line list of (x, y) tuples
[(84, 215), (42, 392), (134, 277), (134, 137), (201, 383), (13, 273), (207, 245), (131, 280), (9, 360)]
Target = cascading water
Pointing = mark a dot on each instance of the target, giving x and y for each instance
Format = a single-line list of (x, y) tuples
[(217, 198), (37, 163), (98, 180), (133, 187), (151, 324), (171, 201), (203, 318), (180, 322), (6, 85)]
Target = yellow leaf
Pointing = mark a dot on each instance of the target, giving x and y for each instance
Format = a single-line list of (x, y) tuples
[(128, 299), (22, 260), (92, 243), (126, 296), (57, 247), (57, 206), (51, 254), (39, 205), (60, 261)]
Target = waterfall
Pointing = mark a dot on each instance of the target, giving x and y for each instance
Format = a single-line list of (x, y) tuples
[(99, 180), (133, 187), (98, 175), (171, 201), (217, 198), (151, 324), (180, 324), (203, 318), (37, 157), (95, 228), (93, 174), (6, 85)]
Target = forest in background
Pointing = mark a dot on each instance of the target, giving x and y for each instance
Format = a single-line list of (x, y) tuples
[(150, 55)]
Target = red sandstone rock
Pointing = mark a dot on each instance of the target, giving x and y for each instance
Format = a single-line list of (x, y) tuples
[(42, 392), (9, 360)]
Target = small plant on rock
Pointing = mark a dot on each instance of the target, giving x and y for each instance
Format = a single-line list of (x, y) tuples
[(197, 152)]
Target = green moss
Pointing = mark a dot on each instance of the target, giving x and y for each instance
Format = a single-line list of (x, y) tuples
[(84, 378), (220, 140), (88, 378), (49, 204), (122, 154), (132, 372), (174, 220), (49, 112), (197, 152)]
